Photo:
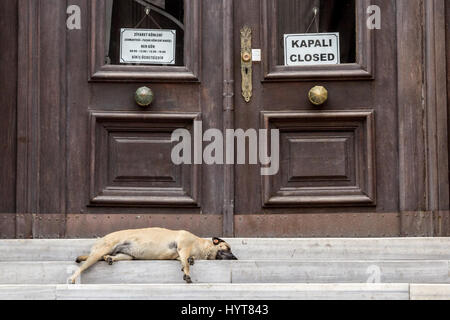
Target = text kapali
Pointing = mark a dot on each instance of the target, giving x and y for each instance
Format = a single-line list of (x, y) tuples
[(316, 57)]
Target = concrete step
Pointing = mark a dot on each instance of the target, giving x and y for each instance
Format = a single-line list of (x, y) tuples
[(257, 271), (257, 249), (246, 292)]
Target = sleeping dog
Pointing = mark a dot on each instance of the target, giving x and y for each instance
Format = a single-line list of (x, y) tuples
[(155, 244)]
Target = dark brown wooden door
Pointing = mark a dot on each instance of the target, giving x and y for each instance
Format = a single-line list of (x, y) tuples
[(120, 170), (83, 159), (338, 172)]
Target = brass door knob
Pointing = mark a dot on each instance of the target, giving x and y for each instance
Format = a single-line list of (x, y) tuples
[(144, 96), (246, 57), (318, 95)]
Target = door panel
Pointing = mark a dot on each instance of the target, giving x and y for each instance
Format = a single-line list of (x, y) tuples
[(120, 171), (326, 159), (131, 160), (339, 161)]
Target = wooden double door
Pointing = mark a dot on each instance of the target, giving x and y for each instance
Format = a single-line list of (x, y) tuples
[(94, 161)]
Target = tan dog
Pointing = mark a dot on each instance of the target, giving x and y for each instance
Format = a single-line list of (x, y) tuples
[(155, 244)]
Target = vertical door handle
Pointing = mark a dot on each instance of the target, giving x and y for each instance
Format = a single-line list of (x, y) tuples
[(246, 63)]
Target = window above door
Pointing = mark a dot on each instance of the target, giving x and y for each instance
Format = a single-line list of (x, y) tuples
[(145, 40), (131, 19), (340, 25)]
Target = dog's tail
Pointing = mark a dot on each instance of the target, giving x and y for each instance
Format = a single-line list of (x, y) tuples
[(81, 259)]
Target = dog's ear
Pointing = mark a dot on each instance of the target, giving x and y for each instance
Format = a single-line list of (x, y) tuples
[(216, 241)]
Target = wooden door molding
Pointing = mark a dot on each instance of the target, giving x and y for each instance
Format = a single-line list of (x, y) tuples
[(41, 115), (97, 225), (423, 128), (319, 225), (437, 115), (349, 178), (99, 71), (122, 173), (436, 95), (8, 104), (363, 69), (8, 120), (446, 223), (228, 113), (27, 126)]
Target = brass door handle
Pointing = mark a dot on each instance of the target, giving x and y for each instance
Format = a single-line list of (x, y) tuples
[(246, 63), (144, 96), (318, 95)]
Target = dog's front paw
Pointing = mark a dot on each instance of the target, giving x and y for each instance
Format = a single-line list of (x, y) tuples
[(187, 279), (109, 260), (191, 261)]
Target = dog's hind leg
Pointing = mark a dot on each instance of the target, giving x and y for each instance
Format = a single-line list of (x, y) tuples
[(118, 257), (93, 258), (81, 258), (184, 259)]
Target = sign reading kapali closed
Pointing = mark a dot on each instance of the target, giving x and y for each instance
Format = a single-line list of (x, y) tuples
[(147, 46), (311, 49)]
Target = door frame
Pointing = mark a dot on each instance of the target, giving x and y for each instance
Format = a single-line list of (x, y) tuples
[(424, 208), (8, 120), (424, 201)]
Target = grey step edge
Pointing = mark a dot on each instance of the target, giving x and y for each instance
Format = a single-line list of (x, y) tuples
[(246, 292), (257, 249), (259, 271)]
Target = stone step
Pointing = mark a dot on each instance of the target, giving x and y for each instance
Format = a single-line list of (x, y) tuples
[(257, 271), (248, 292), (257, 249), (430, 292)]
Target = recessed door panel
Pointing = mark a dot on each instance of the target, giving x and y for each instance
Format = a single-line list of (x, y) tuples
[(131, 161)]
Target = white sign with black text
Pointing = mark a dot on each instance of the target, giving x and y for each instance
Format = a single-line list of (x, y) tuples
[(311, 49), (148, 46)]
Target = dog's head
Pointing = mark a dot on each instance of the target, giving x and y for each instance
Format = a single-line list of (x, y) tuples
[(223, 250)]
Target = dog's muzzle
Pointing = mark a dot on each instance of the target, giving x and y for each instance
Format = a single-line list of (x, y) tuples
[(225, 255)]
